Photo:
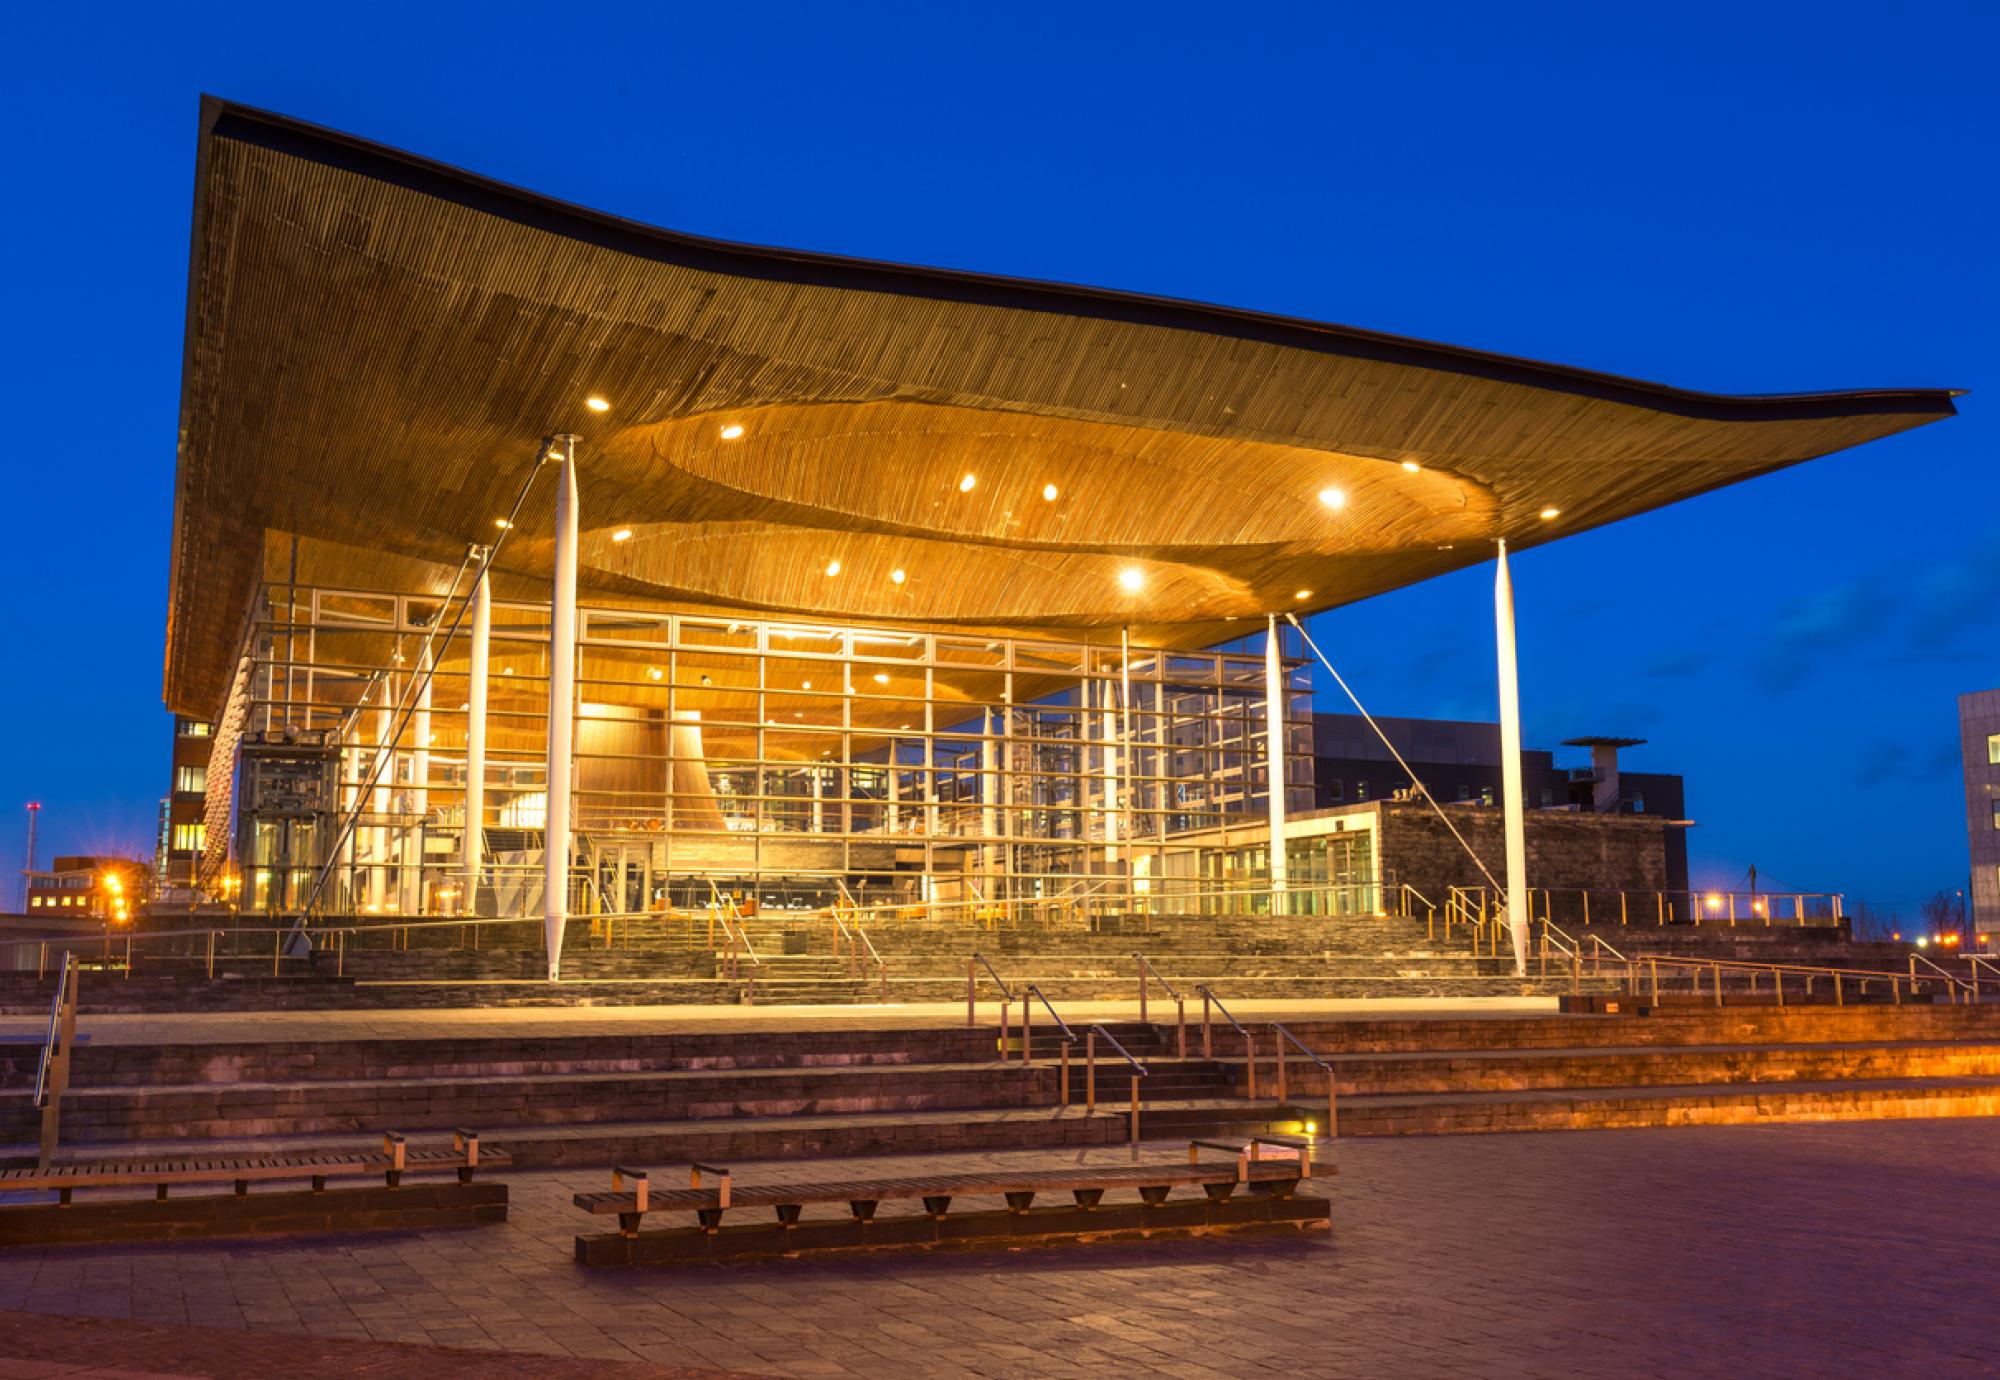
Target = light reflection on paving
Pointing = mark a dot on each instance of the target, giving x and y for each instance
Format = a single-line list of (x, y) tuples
[(1856, 1248), (288, 1026)]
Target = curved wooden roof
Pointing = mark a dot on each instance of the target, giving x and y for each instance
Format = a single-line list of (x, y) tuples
[(376, 345)]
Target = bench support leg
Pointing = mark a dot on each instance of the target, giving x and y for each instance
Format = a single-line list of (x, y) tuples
[(937, 1204)]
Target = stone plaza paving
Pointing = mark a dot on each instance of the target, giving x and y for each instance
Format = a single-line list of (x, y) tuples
[(1860, 1248)]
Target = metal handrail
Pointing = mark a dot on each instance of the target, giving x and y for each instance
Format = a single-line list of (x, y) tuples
[(1138, 1068), (1208, 996), (1145, 963), (1977, 961), (1777, 971), (998, 981), (1957, 984), (1280, 1036), (52, 1046), (1061, 1024), (1301, 1047), (736, 932)]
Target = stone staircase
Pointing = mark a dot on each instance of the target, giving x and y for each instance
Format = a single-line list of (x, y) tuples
[(669, 960), (591, 1099)]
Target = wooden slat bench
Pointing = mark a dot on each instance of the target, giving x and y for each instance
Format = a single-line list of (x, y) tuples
[(1269, 1168), (392, 1205)]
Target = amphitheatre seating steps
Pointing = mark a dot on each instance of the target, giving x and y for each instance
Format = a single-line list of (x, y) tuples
[(582, 1099)]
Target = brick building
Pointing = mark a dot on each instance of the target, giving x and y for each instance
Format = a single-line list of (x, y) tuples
[(1459, 761)]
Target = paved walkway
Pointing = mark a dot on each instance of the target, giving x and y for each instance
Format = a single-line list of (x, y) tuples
[(1859, 1249), (204, 1027)]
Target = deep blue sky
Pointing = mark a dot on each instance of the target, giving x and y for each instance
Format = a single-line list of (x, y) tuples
[(1741, 197)]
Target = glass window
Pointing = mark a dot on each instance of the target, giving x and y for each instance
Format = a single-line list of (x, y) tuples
[(1334, 790), (1548, 796), (1993, 747), (1361, 789), (1464, 791), (1996, 814), (191, 780), (1638, 804), (193, 728), (1485, 795), (190, 838)]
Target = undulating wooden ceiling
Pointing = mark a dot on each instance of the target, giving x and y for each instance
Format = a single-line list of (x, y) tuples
[(377, 345)]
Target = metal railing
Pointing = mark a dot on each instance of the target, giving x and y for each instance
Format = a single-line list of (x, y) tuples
[(1863, 979), (972, 967), (1632, 907), (52, 1071), (1208, 998), (1281, 1037), (1090, 1076), (1959, 986), (1180, 1004), (1983, 968)]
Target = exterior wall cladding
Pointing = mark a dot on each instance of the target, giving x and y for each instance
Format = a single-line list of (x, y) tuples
[(1979, 726), (1565, 849), (1570, 842)]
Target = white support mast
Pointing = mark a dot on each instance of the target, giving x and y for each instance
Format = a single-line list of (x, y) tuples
[(1512, 800), (562, 708)]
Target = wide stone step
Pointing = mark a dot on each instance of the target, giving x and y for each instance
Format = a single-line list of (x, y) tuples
[(1695, 1105), (331, 1105)]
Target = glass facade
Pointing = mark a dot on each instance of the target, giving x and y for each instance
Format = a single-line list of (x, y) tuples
[(782, 761)]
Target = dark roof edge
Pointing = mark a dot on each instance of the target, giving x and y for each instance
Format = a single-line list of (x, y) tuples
[(244, 124)]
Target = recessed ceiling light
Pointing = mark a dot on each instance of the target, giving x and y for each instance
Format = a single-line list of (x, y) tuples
[(833, 567), (881, 677), (596, 404), (1303, 594), (1132, 578), (966, 484), (1332, 497), (654, 673), (808, 685), (506, 670), (503, 524), (732, 431), (1412, 466), (896, 576), (706, 681), (1551, 514), (1049, 492), (622, 534)]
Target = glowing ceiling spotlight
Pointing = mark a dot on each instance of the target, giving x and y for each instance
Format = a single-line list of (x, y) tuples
[(732, 431), (969, 483), (1333, 498), (1132, 579), (596, 404)]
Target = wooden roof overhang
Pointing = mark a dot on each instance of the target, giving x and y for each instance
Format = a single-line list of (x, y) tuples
[(377, 344)]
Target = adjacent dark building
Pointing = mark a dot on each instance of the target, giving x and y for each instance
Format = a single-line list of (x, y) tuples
[(184, 808), (1460, 763)]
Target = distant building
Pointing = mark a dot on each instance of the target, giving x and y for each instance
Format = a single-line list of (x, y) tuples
[(184, 808), (1460, 763), (86, 887), (1979, 741)]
